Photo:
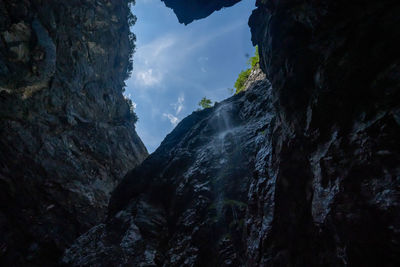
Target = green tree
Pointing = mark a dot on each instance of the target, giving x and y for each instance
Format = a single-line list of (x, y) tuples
[(241, 80), (205, 103), (253, 62)]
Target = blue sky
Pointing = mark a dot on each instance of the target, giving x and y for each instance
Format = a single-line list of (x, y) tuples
[(176, 65)]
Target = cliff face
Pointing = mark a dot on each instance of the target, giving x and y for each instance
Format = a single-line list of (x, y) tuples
[(334, 68), (186, 204), (256, 74), (190, 10), (302, 171), (67, 134)]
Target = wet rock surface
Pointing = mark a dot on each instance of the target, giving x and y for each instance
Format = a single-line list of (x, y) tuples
[(303, 170), (332, 66), (67, 134), (186, 204)]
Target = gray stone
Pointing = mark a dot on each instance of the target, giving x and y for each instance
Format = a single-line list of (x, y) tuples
[(67, 135), (299, 171)]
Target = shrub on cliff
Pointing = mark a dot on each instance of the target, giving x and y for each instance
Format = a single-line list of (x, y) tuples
[(255, 60), (244, 75), (242, 78), (205, 103)]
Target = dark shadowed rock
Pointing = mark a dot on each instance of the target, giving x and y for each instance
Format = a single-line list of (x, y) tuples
[(186, 204), (302, 171), (190, 10), (334, 68), (67, 134)]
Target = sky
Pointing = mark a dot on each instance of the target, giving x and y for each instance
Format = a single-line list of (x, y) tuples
[(175, 66)]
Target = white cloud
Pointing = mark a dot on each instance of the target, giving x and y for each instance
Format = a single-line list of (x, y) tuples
[(178, 106), (148, 77), (174, 120), (151, 51), (152, 61)]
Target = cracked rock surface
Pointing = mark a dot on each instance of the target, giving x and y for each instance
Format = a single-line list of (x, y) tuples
[(186, 204), (301, 169), (67, 134)]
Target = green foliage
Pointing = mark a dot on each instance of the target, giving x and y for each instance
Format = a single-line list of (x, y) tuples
[(205, 103), (253, 61), (244, 75), (241, 80)]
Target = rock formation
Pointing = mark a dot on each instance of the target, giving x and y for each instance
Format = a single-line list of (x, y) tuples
[(186, 204), (303, 170), (334, 68), (190, 10), (67, 134), (256, 74)]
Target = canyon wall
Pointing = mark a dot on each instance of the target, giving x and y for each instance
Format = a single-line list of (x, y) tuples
[(334, 68), (67, 134), (302, 169)]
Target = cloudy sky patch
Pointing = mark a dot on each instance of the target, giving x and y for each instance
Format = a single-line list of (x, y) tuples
[(178, 106), (172, 119), (176, 65)]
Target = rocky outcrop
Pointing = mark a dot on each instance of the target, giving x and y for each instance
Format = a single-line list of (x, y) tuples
[(256, 74), (334, 67), (186, 204), (190, 10), (302, 171), (67, 134)]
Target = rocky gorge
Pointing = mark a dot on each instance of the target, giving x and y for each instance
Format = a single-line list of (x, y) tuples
[(300, 169), (67, 134)]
